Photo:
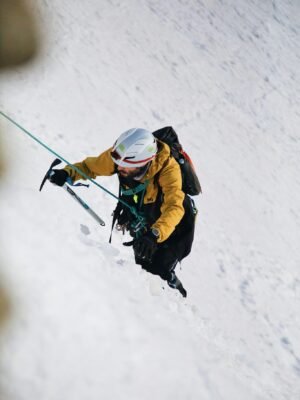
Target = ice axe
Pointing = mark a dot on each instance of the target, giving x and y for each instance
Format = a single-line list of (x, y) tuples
[(71, 192)]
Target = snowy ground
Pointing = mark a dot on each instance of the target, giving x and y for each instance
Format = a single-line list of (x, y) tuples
[(87, 323)]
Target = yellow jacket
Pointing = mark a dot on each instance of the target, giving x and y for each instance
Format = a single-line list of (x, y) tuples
[(169, 180)]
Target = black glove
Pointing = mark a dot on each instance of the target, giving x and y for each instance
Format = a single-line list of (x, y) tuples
[(58, 177), (145, 246)]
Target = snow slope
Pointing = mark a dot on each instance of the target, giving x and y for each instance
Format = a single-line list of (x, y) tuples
[(87, 323)]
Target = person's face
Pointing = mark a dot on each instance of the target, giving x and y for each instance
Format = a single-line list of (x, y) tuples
[(128, 172)]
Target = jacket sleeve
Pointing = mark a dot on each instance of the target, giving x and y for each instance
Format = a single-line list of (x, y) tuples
[(102, 165), (172, 209)]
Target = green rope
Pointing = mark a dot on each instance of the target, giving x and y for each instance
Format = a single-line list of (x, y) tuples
[(132, 209)]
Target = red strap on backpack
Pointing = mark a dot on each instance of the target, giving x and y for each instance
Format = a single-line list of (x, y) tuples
[(188, 158)]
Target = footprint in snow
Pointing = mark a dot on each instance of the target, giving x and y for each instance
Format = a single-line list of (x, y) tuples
[(85, 229)]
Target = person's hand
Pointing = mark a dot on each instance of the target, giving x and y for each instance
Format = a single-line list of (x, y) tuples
[(58, 177), (145, 246)]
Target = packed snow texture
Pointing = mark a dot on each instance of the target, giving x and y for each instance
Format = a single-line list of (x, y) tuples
[(87, 323)]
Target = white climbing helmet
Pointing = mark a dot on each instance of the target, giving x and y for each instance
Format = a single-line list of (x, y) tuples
[(134, 148)]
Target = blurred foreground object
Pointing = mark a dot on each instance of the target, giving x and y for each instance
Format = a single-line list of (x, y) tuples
[(18, 44), (4, 306), (18, 38)]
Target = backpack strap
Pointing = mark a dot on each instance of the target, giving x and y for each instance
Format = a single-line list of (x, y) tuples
[(137, 189)]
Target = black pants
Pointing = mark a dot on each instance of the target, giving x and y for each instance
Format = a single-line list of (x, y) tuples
[(168, 254)]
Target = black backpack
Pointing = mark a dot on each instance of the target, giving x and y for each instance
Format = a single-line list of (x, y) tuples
[(190, 181)]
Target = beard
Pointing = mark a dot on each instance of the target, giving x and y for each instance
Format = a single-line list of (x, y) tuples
[(130, 174), (135, 173)]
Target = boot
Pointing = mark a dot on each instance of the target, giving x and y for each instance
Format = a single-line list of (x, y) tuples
[(175, 283)]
